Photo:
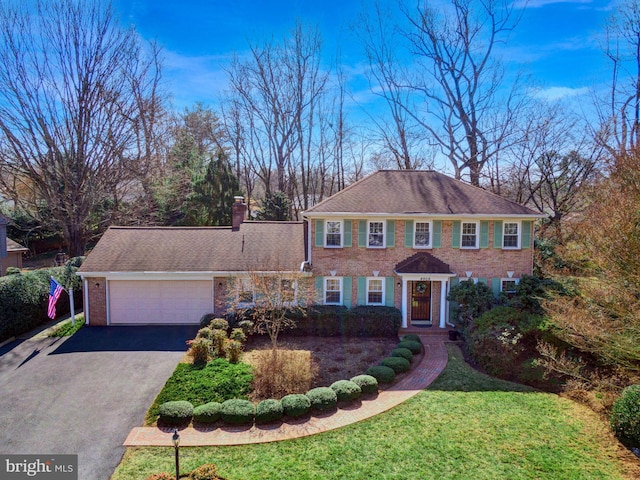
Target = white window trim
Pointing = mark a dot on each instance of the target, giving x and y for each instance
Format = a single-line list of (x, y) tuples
[(504, 226), (502, 280), (384, 233), (324, 291), (382, 280), (477, 245), (326, 232), (415, 226)]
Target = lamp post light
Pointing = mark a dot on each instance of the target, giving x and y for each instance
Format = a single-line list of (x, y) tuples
[(176, 445)]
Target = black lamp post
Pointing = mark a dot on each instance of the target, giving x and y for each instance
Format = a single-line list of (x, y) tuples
[(176, 446)]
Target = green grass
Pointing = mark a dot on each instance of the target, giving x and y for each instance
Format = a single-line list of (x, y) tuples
[(465, 426), (216, 382), (66, 329)]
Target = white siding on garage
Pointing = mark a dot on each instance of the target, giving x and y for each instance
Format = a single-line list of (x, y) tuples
[(159, 301)]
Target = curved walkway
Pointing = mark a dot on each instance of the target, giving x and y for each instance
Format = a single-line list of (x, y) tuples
[(433, 362)]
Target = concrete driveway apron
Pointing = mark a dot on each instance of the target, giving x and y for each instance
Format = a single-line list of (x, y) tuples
[(82, 395)]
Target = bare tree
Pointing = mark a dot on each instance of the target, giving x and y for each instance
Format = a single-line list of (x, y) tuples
[(75, 93), (459, 93), (620, 114)]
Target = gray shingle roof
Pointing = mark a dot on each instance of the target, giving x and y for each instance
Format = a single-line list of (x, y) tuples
[(422, 262), (13, 246), (417, 192), (256, 246)]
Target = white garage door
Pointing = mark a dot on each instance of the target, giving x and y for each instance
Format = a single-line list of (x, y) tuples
[(159, 301)]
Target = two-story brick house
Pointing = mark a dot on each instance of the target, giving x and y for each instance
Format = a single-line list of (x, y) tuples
[(402, 238), (395, 238)]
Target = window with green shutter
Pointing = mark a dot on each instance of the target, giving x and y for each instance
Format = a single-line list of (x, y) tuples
[(347, 233), (455, 234), (391, 234), (408, 233), (497, 234), (437, 234), (319, 233), (362, 233)]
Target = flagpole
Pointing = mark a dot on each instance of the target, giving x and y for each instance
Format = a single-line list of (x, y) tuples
[(73, 310)]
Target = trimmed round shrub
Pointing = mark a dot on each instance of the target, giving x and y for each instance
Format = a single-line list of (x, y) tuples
[(219, 324), (398, 364), (412, 346), (296, 404), (412, 337), (625, 417), (367, 383), (208, 471), (161, 476), (237, 411), (177, 412), (346, 390), (269, 411), (322, 399), (381, 373), (207, 413), (402, 352)]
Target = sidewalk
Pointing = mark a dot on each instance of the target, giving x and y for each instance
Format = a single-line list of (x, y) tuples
[(420, 377)]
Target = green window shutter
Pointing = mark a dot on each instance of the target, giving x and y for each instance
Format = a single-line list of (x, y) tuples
[(319, 233), (455, 234), (346, 241), (496, 284), (436, 242), (526, 234), (391, 233), (346, 292), (320, 290), (497, 234), (362, 233), (389, 294), (484, 234), (362, 290), (408, 233), (483, 280)]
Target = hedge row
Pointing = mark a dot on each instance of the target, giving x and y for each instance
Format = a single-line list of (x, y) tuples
[(24, 297)]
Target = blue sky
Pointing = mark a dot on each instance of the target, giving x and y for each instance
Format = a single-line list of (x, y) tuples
[(557, 43)]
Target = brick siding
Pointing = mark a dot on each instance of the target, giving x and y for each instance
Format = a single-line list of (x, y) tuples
[(97, 293)]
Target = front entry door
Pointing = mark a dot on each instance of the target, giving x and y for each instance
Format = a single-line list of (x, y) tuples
[(421, 303)]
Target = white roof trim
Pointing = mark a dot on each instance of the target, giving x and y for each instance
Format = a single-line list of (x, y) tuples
[(181, 275), (442, 216)]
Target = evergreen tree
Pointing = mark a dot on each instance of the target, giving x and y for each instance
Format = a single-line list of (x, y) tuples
[(276, 207)]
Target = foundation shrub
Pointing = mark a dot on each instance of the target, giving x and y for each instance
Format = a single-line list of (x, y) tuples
[(207, 413), (397, 364), (200, 350), (205, 320), (381, 373), (367, 383), (219, 343), (322, 399), (361, 321), (238, 335), (176, 412), (346, 390), (205, 332), (412, 346), (219, 324), (237, 411), (161, 476), (234, 350), (296, 404), (412, 337), (625, 417), (403, 353), (277, 373), (269, 410)]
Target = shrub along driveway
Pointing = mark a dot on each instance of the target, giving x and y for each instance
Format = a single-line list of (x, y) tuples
[(81, 395)]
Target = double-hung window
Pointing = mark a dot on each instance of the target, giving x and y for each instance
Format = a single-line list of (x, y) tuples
[(422, 235), (469, 237), (333, 234), (376, 235), (288, 291), (508, 285), (333, 290), (375, 291), (511, 235), (245, 291)]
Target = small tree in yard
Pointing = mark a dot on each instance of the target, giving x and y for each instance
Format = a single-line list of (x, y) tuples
[(473, 300)]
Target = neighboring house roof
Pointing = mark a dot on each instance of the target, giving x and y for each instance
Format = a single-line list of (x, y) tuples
[(256, 246), (422, 262), (407, 192), (13, 246)]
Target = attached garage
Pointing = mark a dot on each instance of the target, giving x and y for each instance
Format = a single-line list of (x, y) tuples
[(156, 302)]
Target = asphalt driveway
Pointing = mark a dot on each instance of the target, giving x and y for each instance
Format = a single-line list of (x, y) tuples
[(83, 394)]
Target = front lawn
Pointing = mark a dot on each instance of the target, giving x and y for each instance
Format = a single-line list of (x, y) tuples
[(466, 425)]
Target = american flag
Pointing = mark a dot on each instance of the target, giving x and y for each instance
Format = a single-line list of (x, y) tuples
[(55, 289)]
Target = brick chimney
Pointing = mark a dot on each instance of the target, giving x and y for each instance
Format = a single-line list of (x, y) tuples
[(238, 213)]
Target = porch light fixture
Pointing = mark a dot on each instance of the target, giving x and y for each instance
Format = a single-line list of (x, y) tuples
[(510, 274), (468, 274), (176, 445), (97, 284)]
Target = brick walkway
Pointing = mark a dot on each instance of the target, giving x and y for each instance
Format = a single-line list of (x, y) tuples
[(431, 365)]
